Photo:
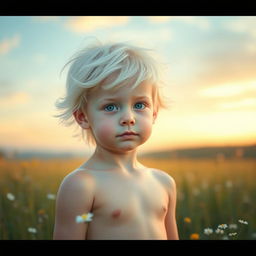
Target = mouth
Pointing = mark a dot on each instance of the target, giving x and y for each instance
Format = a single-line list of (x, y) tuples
[(128, 133)]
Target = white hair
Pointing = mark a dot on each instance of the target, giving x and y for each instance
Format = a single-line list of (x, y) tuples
[(90, 67)]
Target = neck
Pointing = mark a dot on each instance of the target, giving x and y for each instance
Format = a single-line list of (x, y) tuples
[(103, 160)]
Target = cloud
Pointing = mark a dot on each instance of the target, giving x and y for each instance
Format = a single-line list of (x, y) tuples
[(228, 90), (145, 38), (8, 44), (200, 22), (225, 57), (242, 25), (91, 23), (237, 96), (238, 105), (14, 99)]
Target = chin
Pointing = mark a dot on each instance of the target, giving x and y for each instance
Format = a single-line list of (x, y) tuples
[(129, 147), (126, 148)]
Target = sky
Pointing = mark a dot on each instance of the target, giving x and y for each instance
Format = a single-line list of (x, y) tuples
[(210, 72)]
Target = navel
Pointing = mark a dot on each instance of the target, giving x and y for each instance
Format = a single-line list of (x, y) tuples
[(116, 213)]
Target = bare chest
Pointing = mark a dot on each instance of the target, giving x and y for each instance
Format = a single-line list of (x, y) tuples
[(129, 201)]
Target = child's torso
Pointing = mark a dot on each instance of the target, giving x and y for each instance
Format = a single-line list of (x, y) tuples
[(125, 207)]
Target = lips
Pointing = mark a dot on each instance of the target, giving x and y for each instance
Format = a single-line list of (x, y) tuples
[(127, 133)]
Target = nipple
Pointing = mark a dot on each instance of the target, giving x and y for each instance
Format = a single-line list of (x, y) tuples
[(164, 209), (116, 213)]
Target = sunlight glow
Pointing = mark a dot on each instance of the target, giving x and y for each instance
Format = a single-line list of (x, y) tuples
[(226, 90), (250, 102), (209, 76)]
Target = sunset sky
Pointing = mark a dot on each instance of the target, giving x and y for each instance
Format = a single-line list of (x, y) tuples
[(210, 77)]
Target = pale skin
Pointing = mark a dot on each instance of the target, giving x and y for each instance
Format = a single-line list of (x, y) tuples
[(128, 199)]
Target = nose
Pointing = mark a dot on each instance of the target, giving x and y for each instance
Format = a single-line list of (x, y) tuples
[(127, 119)]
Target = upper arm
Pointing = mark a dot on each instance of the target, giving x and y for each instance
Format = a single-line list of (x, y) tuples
[(170, 219), (75, 197)]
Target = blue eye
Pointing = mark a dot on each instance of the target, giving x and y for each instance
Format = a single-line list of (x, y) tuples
[(139, 105), (110, 107)]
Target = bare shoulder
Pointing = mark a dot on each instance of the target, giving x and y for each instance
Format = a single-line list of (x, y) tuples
[(163, 177), (75, 197), (76, 191), (77, 181)]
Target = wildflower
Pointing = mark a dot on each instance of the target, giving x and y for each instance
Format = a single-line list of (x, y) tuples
[(232, 234), (233, 226), (222, 226), (51, 196), (208, 231), (194, 236), (187, 220), (84, 218), (10, 196), (32, 230), (219, 231), (243, 222)]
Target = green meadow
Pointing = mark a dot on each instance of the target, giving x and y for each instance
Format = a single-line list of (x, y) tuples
[(216, 198)]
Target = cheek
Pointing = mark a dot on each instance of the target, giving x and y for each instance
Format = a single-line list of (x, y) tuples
[(146, 126), (104, 130)]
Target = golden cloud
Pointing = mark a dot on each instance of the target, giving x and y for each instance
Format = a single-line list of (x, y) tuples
[(227, 90), (200, 22), (90, 23), (14, 99), (249, 103)]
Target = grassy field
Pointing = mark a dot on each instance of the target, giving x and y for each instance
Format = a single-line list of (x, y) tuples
[(216, 198)]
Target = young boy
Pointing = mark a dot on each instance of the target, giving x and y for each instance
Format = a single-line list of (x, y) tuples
[(113, 94)]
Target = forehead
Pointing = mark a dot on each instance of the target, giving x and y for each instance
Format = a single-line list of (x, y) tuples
[(143, 89)]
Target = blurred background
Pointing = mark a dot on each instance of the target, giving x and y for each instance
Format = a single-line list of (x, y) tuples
[(206, 140), (210, 78)]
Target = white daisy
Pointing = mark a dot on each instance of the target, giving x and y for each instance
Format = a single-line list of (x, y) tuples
[(243, 222), (51, 196), (10, 196), (219, 231), (208, 231), (222, 226), (232, 234), (84, 218), (32, 230)]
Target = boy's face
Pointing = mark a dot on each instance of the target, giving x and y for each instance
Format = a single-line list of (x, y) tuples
[(110, 113)]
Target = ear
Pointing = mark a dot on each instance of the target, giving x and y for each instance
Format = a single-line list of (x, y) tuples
[(154, 116), (81, 119)]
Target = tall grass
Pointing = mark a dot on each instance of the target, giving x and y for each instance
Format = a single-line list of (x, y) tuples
[(209, 193)]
